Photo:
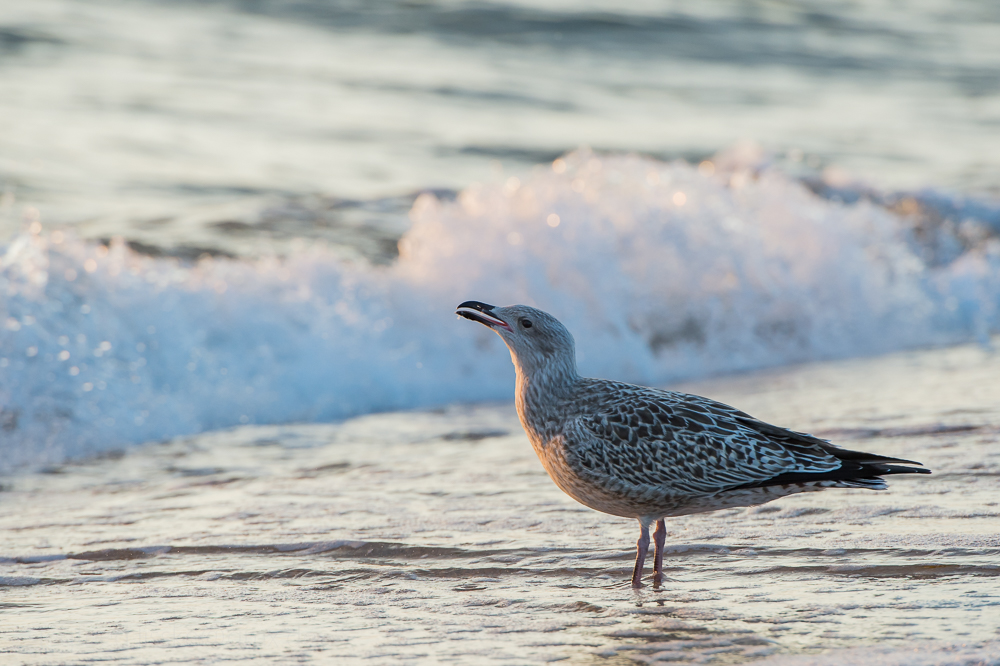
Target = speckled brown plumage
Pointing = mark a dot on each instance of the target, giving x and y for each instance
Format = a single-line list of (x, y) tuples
[(648, 453)]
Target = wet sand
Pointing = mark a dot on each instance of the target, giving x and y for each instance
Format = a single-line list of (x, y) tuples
[(436, 537)]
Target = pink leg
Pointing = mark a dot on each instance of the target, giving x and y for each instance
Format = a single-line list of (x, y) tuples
[(641, 548), (659, 538)]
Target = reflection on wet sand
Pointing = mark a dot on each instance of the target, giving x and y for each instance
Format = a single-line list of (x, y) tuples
[(437, 537)]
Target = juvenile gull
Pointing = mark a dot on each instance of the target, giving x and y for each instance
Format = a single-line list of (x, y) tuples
[(649, 454)]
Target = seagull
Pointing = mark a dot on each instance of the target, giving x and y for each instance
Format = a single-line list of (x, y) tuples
[(651, 454)]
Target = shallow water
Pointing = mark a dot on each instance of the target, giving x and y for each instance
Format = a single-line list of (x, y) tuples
[(436, 537)]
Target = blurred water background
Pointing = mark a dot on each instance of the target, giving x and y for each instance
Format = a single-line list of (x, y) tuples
[(199, 124), (226, 227), (219, 213)]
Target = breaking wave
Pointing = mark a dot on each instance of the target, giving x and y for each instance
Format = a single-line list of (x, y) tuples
[(661, 270)]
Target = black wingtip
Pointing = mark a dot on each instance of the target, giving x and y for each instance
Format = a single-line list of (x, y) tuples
[(849, 472), (890, 469)]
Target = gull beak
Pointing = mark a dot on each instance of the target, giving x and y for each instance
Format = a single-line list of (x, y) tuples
[(482, 313)]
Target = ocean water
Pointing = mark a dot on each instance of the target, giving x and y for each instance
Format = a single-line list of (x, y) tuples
[(662, 270), (436, 537), (232, 237), (238, 125), (264, 212)]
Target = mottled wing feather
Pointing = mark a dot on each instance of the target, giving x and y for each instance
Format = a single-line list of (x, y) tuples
[(681, 443)]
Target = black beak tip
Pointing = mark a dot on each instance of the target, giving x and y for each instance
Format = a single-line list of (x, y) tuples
[(486, 316), (476, 305)]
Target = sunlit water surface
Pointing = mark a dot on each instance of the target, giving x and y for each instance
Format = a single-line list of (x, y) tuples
[(435, 536), (235, 124)]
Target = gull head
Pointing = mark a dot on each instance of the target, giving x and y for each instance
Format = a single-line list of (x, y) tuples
[(539, 344)]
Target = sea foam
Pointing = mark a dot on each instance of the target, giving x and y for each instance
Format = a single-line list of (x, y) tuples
[(661, 270)]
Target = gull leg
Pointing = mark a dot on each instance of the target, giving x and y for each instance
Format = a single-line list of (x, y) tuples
[(659, 538), (641, 548)]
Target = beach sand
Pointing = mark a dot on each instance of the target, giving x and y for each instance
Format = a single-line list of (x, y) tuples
[(436, 537)]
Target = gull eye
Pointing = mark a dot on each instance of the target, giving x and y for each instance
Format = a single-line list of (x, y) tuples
[(526, 323)]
